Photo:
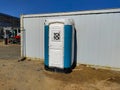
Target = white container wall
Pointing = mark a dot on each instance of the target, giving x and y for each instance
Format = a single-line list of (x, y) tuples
[(98, 36)]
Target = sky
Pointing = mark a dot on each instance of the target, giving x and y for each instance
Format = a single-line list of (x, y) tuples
[(18, 7)]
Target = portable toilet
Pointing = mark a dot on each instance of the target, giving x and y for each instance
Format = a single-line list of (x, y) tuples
[(59, 44)]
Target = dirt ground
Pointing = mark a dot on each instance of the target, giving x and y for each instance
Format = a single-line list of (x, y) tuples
[(30, 75), (9, 51)]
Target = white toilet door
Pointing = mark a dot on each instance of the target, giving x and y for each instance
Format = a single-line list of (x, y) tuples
[(56, 45)]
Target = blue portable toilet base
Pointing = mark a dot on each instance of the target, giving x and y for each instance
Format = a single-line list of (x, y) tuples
[(54, 69)]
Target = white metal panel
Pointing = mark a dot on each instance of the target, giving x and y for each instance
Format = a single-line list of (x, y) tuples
[(98, 37), (56, 44), (32, 34)]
